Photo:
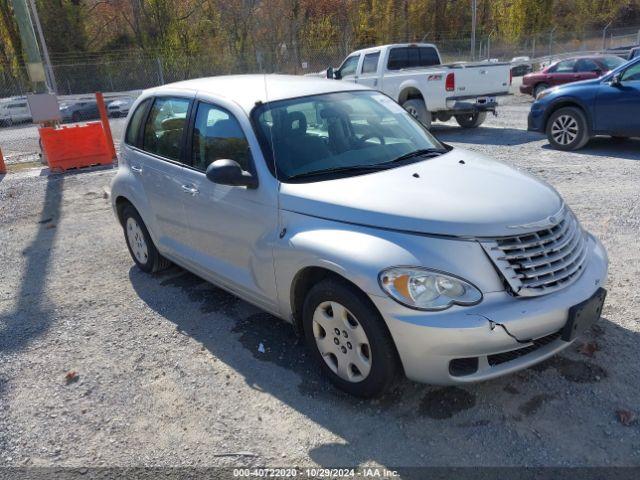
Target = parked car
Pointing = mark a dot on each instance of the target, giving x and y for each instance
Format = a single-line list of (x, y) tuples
[(14, 111), (520, 66), (414, 76), (77, 111), (120, 107), (569, 70), (572, 114), (329, 206)]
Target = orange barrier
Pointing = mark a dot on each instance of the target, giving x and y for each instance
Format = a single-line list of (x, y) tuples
[(3, 167), (104, 118), (75, 147)]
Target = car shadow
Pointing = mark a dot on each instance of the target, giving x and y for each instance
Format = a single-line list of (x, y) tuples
[(405, 426), (628, 149), (485, 135)]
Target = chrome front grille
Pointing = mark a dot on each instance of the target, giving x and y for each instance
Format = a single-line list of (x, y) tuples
[(541, 262)]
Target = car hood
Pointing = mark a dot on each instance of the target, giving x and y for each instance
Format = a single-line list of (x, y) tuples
[(459, 193)]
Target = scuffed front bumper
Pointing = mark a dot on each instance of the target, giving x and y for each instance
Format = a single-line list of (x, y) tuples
[(428, 342)]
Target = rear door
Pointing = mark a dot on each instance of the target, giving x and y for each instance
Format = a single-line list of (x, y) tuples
[(586, 69), (369, 70), (158, 163), (618, 106)]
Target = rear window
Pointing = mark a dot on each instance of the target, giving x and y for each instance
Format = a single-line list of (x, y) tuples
[(133, 130), (412, 57)]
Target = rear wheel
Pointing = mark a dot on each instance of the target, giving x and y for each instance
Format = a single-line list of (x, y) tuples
[(471, 120), (348, 338), (418, 110), (141, 247), (539, 88), (567, 129)]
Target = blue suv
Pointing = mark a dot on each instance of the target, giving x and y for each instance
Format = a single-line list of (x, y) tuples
[(573, 113)]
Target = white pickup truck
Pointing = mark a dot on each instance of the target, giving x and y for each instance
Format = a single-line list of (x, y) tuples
[(414, 76)]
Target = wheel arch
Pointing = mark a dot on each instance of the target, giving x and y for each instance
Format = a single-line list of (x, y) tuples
[(568, 102), (410, 91)]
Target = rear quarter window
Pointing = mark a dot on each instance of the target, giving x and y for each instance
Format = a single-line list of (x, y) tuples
[(133, 136)]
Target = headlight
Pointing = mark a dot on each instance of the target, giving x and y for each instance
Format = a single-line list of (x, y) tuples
[(425, 289)]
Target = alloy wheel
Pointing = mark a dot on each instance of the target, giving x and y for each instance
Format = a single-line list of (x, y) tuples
[(564, 129), (342, 341)]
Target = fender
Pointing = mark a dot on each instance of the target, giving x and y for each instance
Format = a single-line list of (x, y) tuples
[(585, 105), (410, 83), (360, 253)]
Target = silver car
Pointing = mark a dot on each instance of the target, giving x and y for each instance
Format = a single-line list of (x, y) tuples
[(329, 206)]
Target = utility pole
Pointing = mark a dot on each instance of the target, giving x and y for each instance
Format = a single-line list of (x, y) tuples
[(474, 9), (45, 50), (604, 35), (33, 62)]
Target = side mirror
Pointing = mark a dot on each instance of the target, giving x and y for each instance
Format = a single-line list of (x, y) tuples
[(616, 80), (229, 172), (330, 73), (336, 74)]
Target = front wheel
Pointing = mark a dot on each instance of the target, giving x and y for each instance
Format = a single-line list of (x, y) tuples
[(349, 339), (418, 110), (538, 89), (567, 129), (471, 120), (141, 247)]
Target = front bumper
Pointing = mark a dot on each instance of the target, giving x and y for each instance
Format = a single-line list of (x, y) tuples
[(428, 342), (526, 89), (535, 120)]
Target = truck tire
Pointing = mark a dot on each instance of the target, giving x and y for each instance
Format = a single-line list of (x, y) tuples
[(567, 129), (539, 88), (471, 120), (418, 110), (348, 339)]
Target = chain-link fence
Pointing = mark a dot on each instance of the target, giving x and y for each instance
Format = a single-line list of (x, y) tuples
[(122, 75)]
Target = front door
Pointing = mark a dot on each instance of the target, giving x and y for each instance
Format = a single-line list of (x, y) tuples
[(618, 105), (348, 69), (232, 228)]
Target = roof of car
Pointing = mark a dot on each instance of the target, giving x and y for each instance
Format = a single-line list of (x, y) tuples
[(247, 90)]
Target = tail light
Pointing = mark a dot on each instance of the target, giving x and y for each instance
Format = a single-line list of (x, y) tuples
[(510, 77), (450, 82)]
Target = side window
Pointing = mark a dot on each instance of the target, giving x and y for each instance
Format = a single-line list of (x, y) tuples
[(632, 74), (165, 126), (566, 66), (370, 62), (586, 65), (217, 135), (349, 66), (133, 129)]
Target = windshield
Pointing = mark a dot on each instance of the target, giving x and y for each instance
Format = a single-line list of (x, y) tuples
[(612, 62), (343, 132)]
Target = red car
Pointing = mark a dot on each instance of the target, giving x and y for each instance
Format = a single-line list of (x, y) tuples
[(569, 70)]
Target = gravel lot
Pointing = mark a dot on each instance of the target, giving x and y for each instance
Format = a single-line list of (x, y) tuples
[(169, 372)]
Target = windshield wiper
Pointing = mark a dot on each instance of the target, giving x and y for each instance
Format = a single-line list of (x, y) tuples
[(423, 152), (354, 168)]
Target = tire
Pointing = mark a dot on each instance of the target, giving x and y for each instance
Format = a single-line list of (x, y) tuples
[(141, 247), (539, 88), (567, 129), (418, 110), (348, 316), (471, 120)]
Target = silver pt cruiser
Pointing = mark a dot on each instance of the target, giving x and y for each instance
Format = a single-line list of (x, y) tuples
[(329, 206)]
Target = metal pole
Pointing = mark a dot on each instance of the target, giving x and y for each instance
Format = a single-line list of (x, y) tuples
[(474, 7), (45, 51), (551, 41), (604, 35), (33, 61), (160, 72)]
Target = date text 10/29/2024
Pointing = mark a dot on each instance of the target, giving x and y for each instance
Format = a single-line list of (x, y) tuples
[(365, 472)]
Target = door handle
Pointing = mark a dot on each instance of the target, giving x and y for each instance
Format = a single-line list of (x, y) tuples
[(190, 189), (136, 169)]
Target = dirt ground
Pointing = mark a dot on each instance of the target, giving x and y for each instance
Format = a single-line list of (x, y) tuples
[(168, 372)]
